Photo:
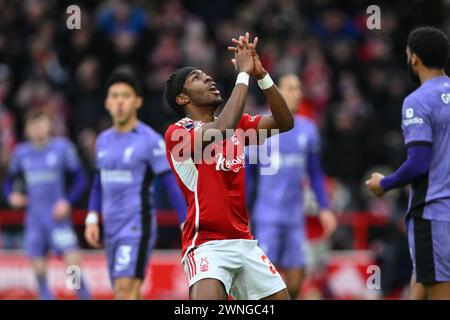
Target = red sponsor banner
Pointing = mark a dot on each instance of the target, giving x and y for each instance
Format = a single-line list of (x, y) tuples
[(344, 276), (165, 277)]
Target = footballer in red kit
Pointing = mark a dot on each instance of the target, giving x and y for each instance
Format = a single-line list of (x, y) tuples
[(206, 153)]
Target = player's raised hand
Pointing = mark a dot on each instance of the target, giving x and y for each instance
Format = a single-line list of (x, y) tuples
[(17, 200), (373, 184), (243, 59), (61, 209), (244, 41), (92, 235)]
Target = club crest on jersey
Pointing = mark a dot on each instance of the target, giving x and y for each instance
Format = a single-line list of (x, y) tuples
[(127, 154), (235, 140), (204, 264)]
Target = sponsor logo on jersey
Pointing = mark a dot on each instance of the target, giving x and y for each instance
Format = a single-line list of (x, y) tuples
[(42, 176), (187, 123), (227, 165), (410, 119), (116, 176)]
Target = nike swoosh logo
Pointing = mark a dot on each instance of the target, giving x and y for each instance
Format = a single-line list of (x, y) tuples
[(101, 154)]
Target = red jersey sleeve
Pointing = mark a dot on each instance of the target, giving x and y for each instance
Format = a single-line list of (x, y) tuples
[(179, 139), (249, 124)]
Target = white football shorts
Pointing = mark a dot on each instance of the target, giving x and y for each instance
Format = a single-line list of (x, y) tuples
[(239, 264)]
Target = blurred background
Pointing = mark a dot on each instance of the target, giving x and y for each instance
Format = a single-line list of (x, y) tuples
[(354, 80)]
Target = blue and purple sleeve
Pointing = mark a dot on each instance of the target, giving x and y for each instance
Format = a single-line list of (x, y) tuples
[(78, 186), (74, 168), (416, 165), (95, 197), (416, 121), (251, 176), (8, 185), (315, 173), (14, 170), (316, 178), (174, 194)]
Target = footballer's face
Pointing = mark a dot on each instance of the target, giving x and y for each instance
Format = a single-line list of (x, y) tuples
[(412, 61), (200, 90), (122, 102), (291, 89), (38, 129)]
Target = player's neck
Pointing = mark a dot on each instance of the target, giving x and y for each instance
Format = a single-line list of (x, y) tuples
[(203, 114), (127, 126), (41, 143), (428, 74)]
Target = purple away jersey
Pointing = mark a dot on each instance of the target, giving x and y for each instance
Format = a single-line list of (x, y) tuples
[(126, 162), (44, 171), (279, 197), (277, 216), (426, 120)]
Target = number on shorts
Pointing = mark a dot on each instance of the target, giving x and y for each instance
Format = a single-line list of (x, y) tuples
[(63, 237), (123, 257), (271, 266)]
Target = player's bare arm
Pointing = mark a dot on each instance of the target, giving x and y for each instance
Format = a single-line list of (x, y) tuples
[(281, 117), (234, 107)]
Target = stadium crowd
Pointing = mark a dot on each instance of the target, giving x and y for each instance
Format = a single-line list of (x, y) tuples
[(353, 79)]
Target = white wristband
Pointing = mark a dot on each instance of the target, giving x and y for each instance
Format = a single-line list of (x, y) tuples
[(243, 78), (91, 218), (266, 82)]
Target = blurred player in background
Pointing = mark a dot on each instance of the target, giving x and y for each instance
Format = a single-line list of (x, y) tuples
[(219, 254), (426, 129), (44, 163), (128, 155), (277, 217)]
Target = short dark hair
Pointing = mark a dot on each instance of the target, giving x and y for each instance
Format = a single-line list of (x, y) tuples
[(35, 114), (124, 76), (431, 46)]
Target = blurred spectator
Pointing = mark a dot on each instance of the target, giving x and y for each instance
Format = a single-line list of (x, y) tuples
[(86, 96), (7, 132)]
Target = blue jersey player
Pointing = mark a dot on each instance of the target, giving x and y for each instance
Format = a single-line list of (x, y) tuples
[(44, 163), (277, 211), (426, 128), (128, 156)]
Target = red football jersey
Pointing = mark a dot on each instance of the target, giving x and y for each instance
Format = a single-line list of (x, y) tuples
[(212, 181)]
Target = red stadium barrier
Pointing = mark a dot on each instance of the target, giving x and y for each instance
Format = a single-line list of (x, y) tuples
[(165, 278), (344, 276), (16, 217), (359, 222)]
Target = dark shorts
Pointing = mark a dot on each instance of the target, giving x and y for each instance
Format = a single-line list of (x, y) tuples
[(429, 246), (284, 245)]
